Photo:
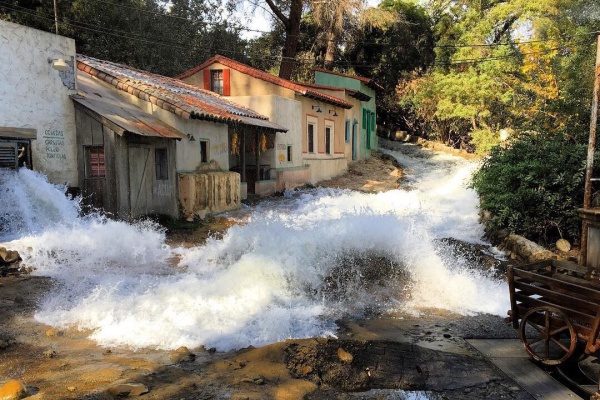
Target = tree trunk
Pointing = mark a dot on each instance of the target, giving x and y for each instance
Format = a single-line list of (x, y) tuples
[(292, 34), (330, 51)]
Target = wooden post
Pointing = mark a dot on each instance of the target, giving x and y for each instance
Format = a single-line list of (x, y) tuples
[(243, 154), (257, 158), (55, 17), (589, 168)]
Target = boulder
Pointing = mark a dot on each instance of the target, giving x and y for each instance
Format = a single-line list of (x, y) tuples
[(8, 257), (563, 245), (526, 249), (127, 390), (344, 356), (182, 354), (12, 390)]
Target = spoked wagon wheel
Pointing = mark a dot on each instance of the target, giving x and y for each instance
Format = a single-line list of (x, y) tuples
[(548, 335)]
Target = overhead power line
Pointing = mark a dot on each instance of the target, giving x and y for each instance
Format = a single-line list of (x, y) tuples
[(144, 39)]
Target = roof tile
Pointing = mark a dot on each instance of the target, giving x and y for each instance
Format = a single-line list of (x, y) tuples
[(265, 76), (174, 95)]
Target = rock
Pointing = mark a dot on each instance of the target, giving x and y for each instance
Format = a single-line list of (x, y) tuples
[(127, 390), (8, 257), (182, 354), (344, 356), (563, 245), (6, 341), (526, 249), (50, 353), (12, 390), (52, 332), (212, 350), (71, 388)]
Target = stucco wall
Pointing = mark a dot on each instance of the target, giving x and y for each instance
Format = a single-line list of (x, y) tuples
[(323, 78), (326, 168), (34, 96), (326, 114), (285, 112), (188, 152), (242, 84)]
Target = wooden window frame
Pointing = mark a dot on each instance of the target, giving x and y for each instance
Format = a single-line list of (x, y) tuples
[(213, 88), (347, 133), (161, 172), (314, 122), (200, 141), (89, 164), (329, 124), (289, 156)]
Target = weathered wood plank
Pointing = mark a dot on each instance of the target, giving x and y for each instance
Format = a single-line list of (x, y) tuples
[(509, 356)]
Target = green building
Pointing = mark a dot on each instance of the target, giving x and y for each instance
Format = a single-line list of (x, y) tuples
[(361, 120)]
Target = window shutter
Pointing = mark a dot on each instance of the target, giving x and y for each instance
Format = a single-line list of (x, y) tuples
[(226, 82), (364, 124), (207, 79)]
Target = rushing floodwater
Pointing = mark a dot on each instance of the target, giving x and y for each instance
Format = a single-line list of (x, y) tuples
[(297, 265)]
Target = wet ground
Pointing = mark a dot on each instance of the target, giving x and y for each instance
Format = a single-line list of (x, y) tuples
[(396, 354)]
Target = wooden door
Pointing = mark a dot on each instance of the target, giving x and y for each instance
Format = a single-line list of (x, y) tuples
[(140, 179)]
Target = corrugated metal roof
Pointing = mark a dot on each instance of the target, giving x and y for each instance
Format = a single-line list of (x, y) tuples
[(299, 88), (173, 95), (128, 117)]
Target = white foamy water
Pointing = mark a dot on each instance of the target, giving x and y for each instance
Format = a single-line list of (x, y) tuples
[(289, 272)]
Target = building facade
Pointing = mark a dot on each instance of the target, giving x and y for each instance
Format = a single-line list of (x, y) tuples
[(361, 119), (313, 148), (163, 136), (37, 117)]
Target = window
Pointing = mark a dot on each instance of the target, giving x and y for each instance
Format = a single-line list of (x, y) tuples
[(311, 138), (347, 131), (329, 132), (204, 151), (328, 139), (95, 162), (364, 118), (161, 164), (289, 154), (216, 81)]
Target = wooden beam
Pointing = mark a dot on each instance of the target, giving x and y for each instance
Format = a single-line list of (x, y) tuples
[(243, 155), (257, 156), (587, 194)]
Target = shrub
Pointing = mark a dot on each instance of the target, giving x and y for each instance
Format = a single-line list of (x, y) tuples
[(484, 140), (534, 186)]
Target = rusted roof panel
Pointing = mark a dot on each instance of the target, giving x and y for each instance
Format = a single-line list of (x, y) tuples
[(118, 111), (173, 95)]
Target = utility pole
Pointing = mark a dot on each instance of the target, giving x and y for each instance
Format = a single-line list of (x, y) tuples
[(589, 168), (55, 17)]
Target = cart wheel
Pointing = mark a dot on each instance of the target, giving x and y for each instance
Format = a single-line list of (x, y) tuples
[(548, 335)]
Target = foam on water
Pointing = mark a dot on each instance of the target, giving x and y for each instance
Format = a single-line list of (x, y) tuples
[(267, 280)]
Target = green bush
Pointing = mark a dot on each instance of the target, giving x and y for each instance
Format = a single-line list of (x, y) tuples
[(534, 186), (484, 140)]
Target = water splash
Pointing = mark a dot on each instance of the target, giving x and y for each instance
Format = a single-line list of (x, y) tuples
[(296, 266)]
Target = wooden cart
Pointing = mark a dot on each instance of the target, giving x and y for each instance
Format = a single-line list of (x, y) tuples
[(556, 310)]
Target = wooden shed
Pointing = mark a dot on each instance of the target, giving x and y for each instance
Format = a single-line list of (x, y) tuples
[(126, 157)]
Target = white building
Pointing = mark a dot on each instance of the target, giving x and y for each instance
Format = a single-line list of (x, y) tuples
[(37, 117)]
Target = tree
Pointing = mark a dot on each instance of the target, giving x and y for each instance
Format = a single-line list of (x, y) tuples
[(330, 17), (291, 22), (145, 34), (510, 64), (392, 40)]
